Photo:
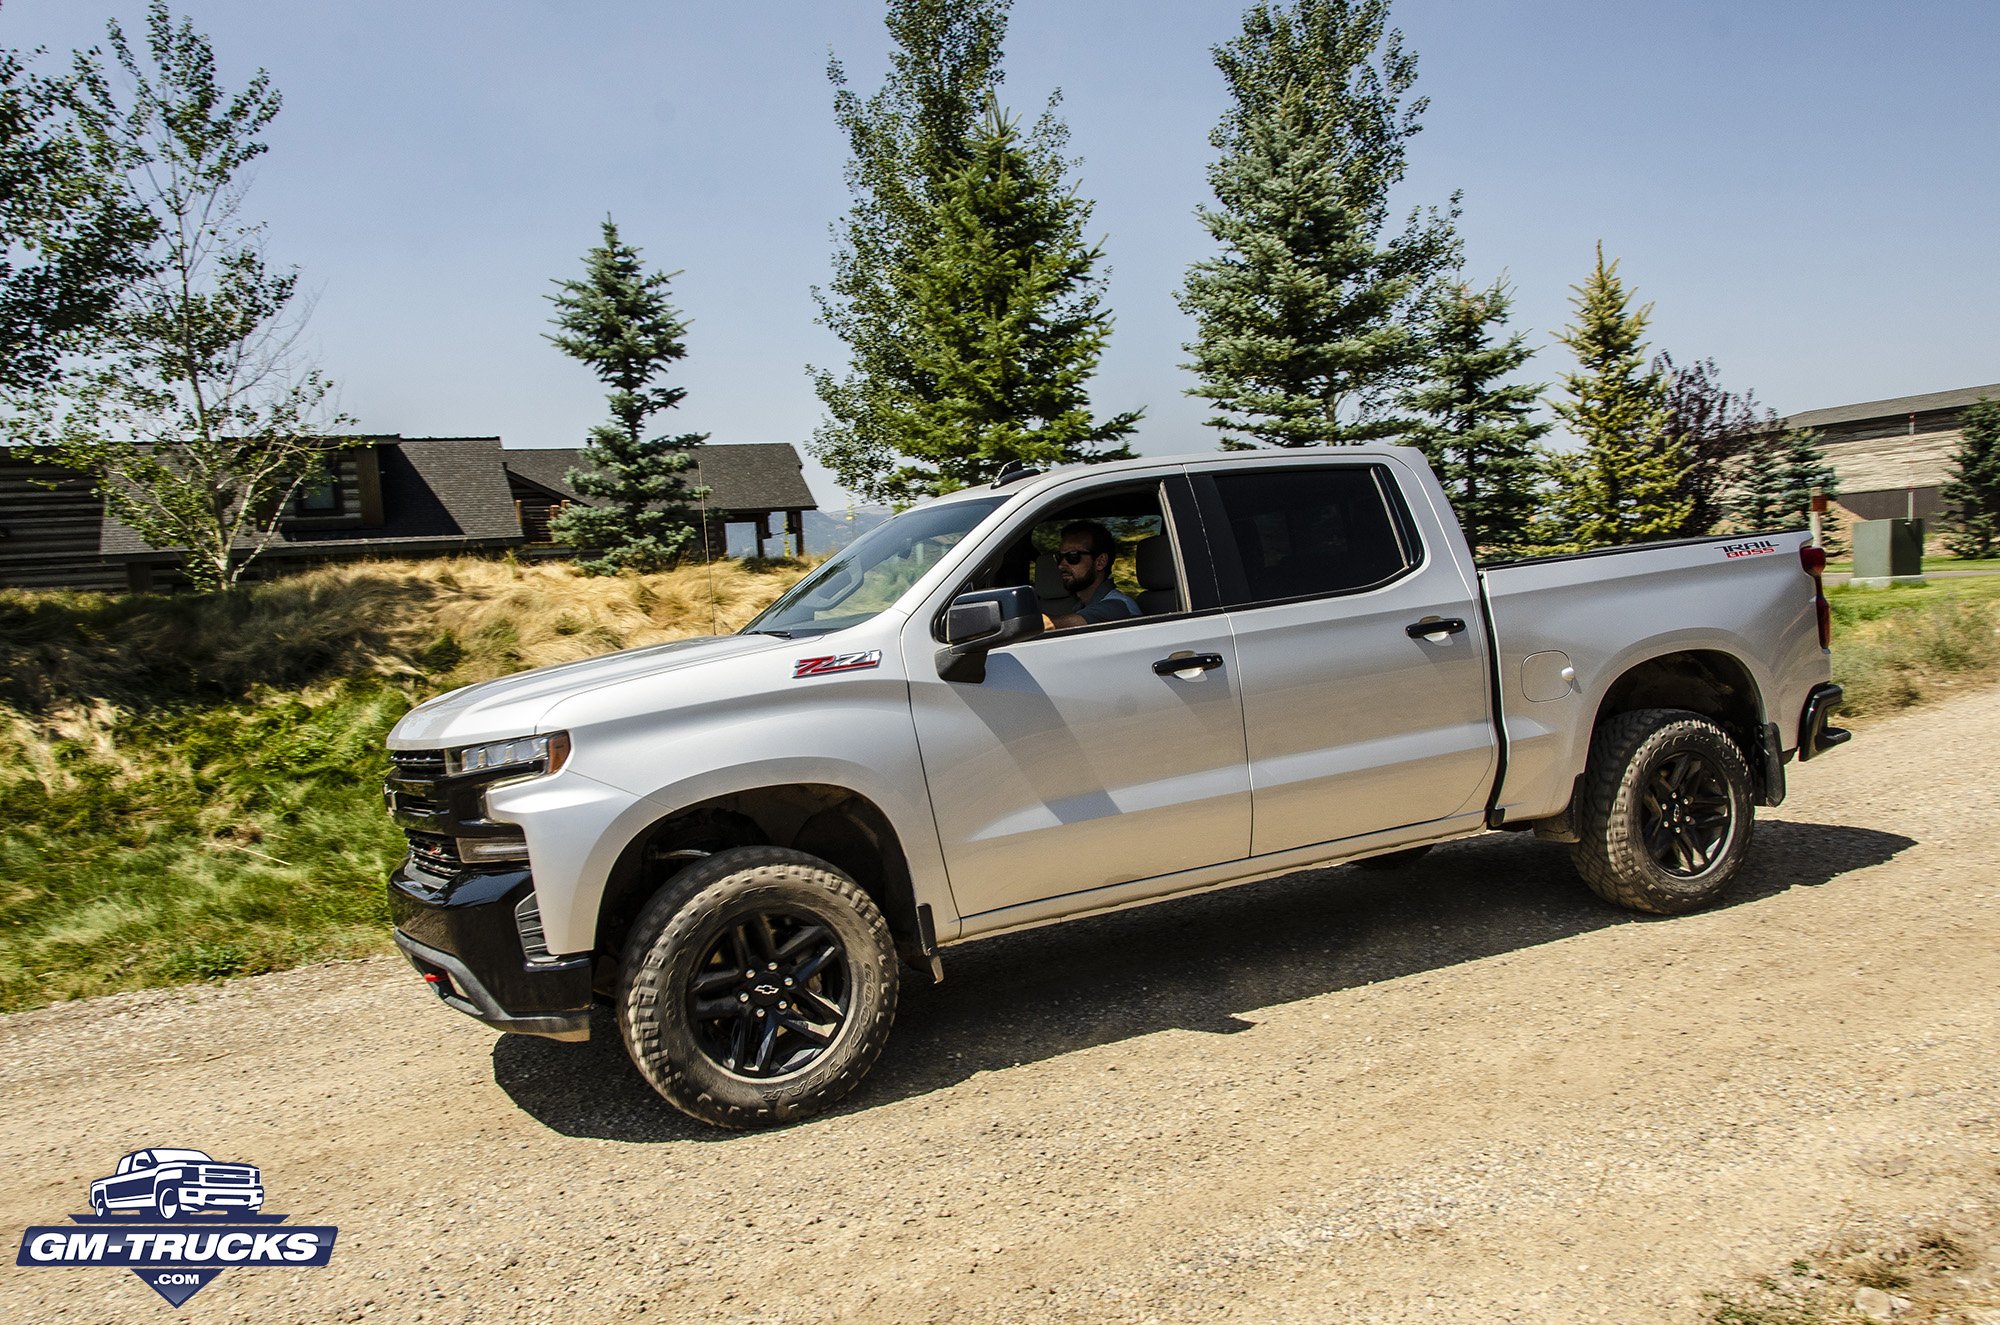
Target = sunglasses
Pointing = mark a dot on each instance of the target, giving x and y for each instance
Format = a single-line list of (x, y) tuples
[(1074, 558)]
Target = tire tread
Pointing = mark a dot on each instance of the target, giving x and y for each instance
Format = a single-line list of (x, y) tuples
[(1611, 861), (680, 907)]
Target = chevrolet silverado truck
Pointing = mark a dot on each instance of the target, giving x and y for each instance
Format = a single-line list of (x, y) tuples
[(741, 841), (172, 1183)]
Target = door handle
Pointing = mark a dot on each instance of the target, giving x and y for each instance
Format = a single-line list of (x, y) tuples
[(1187, 662), (1434, 626)]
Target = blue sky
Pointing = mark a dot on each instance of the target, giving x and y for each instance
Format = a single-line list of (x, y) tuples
[(1804, 189)]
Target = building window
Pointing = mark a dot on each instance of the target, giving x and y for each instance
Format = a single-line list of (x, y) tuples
[(321, 499)]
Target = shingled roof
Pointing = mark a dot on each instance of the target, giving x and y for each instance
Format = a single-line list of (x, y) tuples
[(740, 476), (1899, 407), (438, 493)]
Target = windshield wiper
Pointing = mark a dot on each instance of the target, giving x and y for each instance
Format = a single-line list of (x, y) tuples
[(781, 634)]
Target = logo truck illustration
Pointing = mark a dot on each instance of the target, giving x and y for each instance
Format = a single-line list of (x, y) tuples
[(172, 1183)]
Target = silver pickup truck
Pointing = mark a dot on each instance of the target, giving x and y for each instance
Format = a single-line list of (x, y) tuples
[(1069, 693)]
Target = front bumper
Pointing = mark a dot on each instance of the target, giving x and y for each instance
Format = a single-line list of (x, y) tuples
[(223, 1198), (461, 935)]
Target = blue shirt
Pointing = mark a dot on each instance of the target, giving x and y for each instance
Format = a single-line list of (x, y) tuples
[(1109, 605)]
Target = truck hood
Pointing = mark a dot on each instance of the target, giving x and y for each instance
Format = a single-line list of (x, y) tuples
[(515, 705)]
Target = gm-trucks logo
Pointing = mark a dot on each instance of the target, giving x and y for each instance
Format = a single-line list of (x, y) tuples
[(1756, 547), (210, 1219)]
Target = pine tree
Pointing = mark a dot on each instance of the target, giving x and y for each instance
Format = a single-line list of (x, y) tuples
[(905, 142), (1776, 478), (1006, 325), (1756, 501), (1306, 317), (617, 321), (1626, 485), (1972, 495), (1475, 430)]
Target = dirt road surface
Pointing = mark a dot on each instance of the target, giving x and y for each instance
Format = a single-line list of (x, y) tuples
[(1463, 1092)]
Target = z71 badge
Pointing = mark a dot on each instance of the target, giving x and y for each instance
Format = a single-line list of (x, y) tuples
[(838, 662)]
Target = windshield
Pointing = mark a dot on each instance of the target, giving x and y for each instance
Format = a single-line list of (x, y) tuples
[(872, 572)]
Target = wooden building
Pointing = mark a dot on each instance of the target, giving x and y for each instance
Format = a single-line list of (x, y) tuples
[(51, 520), (758, 484), (387, 497), (1893, 457)]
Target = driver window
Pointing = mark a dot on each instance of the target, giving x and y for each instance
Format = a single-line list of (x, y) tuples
[(1094, 559)]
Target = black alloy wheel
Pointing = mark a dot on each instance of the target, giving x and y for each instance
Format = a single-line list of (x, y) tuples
[(770, 994), (1665, 811), (757, 987), (1685, 815)]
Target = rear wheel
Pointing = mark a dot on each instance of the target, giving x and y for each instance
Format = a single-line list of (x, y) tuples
[(758, 986), (1666, 815)]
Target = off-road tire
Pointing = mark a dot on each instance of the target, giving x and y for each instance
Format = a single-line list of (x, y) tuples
[(670, 939), (1612, 854), (1395, 860)]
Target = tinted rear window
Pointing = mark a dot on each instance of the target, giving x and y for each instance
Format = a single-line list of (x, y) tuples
[(1303, 532)]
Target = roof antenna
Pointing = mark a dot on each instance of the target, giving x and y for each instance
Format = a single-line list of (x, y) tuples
[(714, 627)]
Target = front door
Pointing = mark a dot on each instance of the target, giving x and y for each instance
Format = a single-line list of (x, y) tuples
[(1077, 763)]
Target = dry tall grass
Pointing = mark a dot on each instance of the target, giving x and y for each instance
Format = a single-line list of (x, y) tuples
[(434, 623)]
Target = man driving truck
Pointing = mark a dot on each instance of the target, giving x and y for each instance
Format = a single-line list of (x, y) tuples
[(1084, 563)]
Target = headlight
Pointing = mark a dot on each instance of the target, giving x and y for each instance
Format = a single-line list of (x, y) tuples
[(523, 756)]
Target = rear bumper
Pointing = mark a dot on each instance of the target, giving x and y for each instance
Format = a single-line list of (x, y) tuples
[(460, 934), (1817, 734)]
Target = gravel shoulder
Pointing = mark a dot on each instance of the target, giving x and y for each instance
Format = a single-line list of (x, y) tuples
[(1466, 1091)]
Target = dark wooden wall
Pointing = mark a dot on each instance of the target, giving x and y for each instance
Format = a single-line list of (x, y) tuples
[(49, 539)]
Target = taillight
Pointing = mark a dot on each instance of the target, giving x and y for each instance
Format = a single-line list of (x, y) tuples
[(1814, 561)]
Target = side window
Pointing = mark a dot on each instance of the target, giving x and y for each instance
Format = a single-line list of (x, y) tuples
[(1299, 533), (1135, 572)]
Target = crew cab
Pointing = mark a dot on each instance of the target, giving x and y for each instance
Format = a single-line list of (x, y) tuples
[(172, 1183), (740, 841)]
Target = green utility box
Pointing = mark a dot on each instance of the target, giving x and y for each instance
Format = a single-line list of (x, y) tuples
[(1888, 552)]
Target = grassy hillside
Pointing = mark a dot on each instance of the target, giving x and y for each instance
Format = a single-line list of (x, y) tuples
[(191, 787)]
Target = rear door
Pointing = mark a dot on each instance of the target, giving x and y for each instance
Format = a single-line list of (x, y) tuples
[(1354, 722), (1078, 763)]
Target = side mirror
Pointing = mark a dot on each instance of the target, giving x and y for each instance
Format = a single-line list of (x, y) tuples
[(976, 623)]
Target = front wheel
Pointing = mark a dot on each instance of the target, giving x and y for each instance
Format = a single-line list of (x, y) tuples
[(168, 1202), (1666, 815), (758, 987)]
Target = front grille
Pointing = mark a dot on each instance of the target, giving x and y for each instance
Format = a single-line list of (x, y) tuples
[(437, 854), (221, 1176), (412, 783), (418, 764)]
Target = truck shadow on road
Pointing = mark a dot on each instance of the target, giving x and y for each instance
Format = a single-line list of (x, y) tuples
[(1193, 964)]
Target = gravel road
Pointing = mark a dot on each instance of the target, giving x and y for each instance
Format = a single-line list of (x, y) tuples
[(1463, 1092)]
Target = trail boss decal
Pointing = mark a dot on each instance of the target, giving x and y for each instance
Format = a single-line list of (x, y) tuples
[(1756, 547), (157, 1217), (837, 662)]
